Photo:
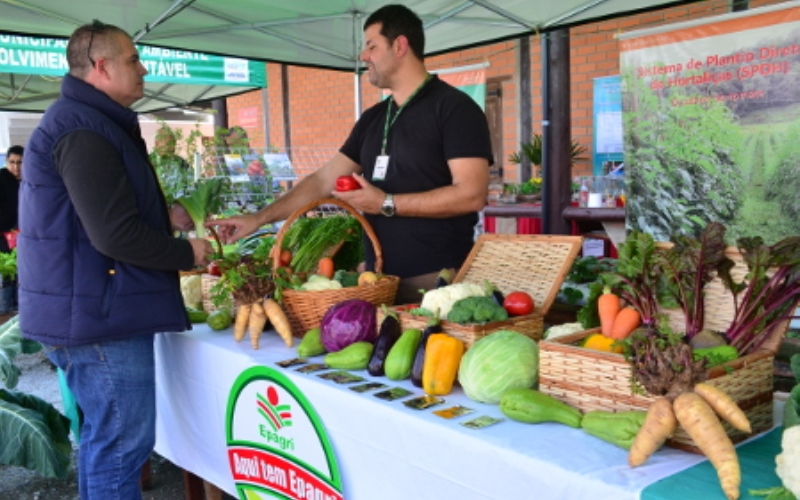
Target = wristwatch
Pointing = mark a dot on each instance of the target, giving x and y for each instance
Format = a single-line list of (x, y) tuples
[(387, 208)]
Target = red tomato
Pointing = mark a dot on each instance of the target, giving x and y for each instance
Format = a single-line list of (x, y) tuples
[(518, 304), (213, 269), (347, 183)]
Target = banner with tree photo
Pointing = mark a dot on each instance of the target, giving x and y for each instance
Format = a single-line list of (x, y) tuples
[(711, 113)]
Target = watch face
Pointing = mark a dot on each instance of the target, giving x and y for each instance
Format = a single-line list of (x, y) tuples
[(388, 207)]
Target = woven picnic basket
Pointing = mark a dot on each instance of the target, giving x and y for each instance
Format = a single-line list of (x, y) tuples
[(536, 264), (305, 309), (593, 380)]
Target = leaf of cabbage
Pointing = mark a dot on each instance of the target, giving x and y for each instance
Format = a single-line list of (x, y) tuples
[(33, 434), (10, 345)]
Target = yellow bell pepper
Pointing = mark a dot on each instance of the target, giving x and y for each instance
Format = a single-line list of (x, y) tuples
[(442, 357)]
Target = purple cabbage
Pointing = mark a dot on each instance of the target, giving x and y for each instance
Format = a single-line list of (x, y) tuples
[(348, 322)]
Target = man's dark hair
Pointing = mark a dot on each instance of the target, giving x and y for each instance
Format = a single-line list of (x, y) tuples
[(399, 20), (15, 150), (88, 43)]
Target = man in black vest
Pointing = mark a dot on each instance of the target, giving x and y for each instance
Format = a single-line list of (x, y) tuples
[(98, 263)]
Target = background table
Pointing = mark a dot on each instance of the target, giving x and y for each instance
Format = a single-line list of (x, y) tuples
[(385, 450)]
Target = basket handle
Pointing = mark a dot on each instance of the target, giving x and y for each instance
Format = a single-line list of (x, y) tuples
[(276, 248)]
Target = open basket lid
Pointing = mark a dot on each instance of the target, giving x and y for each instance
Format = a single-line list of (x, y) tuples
[(532, 263)]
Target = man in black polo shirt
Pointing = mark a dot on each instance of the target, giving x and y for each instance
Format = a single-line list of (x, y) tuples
[(421, 158)]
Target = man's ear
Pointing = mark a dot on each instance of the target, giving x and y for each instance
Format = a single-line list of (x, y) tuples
[(401, 45)]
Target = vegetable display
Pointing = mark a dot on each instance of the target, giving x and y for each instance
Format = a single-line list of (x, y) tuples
[(499, 361), (348, 322)]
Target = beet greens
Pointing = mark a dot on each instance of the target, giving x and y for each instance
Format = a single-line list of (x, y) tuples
[(769, 294), (636, 279), (687, 267)]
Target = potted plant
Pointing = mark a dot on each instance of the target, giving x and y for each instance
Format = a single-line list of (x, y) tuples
[(533, 152), (530, 190)]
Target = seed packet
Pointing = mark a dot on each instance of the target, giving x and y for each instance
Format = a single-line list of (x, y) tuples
[(341, 377), (291, 362), (392, 394), (423, 402), (453, 412), (369, 386), (314, 367), (481, 422)]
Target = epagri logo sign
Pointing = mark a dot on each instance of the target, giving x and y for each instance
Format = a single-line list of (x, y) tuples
[(277, 445)]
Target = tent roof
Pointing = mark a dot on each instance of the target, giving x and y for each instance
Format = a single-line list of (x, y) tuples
[(320, 33)]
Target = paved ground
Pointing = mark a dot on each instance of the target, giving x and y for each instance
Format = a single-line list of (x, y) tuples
[(16, 483)]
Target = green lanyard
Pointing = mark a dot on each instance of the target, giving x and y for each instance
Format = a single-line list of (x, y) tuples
[(389, 122)]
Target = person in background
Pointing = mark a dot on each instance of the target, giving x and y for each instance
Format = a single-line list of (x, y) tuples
[(98, 265), (421, 159), (9, 203)]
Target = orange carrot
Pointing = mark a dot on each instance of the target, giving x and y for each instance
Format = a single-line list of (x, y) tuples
[(326, 267), (608, 306), (628, 319)]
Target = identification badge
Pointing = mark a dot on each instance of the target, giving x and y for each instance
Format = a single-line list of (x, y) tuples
[(381, 165)]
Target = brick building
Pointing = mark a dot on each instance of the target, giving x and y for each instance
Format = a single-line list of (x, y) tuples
[(319, 105)]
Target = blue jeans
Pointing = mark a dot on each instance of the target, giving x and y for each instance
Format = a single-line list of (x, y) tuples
[(114, 385)]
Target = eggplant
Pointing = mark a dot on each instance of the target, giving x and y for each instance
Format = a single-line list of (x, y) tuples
[(419, 356), (387, 336), (498, 297)]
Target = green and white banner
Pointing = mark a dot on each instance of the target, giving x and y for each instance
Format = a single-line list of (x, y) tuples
[(48, 57)]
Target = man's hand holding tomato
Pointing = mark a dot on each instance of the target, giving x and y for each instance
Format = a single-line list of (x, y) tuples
[(365, 198)]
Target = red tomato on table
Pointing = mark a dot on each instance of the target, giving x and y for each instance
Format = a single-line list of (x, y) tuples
[(347, 183), (518, 304)]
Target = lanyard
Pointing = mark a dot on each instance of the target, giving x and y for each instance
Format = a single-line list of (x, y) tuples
[(389, 122)]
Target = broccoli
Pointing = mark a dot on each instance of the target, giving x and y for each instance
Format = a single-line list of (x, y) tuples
[(476, 310), (346, 278)]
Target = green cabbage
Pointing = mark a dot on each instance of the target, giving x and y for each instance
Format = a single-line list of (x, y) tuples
[(500, 361)]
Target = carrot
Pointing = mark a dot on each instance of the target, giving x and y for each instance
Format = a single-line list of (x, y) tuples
[(242, 319), (725, 406), (257, 321), (608, 306), (659, 424), (628, 319), (700, 422), (279, 321), (326, 267)]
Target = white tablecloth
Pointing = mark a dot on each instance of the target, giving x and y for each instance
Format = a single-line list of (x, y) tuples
[(385, 450)]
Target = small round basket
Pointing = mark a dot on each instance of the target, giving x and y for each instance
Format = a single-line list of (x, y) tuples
[(305, 309)]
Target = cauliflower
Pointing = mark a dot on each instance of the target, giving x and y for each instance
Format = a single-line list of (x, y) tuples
[(192, 291), (788, 460), (561, 330), (440, 300)]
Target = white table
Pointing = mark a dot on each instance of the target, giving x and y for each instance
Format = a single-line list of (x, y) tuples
[(385, 450)]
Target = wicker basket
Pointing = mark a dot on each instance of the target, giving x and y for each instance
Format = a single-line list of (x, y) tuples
[(207, 281), (305, 309), (535, 264), (593, 380)]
